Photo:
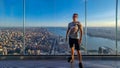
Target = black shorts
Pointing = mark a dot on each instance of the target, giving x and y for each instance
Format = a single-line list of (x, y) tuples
[(73, 42)]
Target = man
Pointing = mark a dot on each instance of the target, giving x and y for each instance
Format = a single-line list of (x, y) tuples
[(74, 40)]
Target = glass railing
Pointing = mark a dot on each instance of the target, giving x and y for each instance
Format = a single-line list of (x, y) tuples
[(42, 30)]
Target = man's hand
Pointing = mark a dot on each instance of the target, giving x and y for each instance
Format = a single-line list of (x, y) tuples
[(79, 41)]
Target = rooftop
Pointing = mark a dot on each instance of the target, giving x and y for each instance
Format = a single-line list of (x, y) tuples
[(57, 62)]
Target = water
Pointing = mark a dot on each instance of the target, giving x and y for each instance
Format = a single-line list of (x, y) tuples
[(93, 43)]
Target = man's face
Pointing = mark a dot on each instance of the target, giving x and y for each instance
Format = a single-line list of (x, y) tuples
[(75, 17)]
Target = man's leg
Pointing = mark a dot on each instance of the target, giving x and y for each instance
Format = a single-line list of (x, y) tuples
[(71, 43), (72, 54), (80, 58)]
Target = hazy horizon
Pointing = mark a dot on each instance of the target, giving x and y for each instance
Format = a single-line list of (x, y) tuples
[(55, 26)]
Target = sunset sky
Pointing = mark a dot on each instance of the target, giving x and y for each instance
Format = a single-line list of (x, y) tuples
[(57, 12)]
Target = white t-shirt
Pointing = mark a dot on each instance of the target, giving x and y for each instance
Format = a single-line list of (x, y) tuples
[(74, 29)]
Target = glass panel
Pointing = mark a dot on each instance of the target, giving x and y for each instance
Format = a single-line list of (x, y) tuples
[(64, 10), (46, 22), (39, 15), (101, 27), (11, 27)]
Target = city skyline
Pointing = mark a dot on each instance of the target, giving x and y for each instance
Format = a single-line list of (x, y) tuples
[(57, 12)]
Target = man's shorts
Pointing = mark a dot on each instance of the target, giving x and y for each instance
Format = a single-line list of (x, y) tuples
[(74, 42)]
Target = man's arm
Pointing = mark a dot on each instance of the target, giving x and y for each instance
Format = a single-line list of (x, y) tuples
[(81, 33), (67, 32)]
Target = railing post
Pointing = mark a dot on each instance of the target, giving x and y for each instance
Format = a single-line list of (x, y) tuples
[(86, 26), (23, 27), (116, 20)]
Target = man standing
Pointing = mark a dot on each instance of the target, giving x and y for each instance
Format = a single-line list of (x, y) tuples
[(74, 40)]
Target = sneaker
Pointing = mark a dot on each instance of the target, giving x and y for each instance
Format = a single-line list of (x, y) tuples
[(70, 59), (80, 65)]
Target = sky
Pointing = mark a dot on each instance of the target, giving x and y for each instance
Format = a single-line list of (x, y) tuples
[(55, 13)]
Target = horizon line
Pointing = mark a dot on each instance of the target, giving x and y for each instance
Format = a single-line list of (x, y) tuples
[(50, 26)]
